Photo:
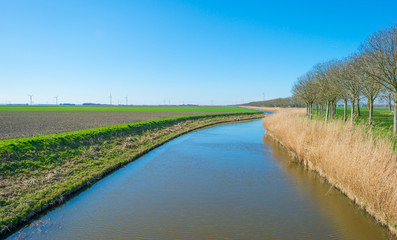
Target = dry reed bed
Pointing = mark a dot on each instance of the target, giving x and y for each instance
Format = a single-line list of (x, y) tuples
[(363, 166), (269, 109)]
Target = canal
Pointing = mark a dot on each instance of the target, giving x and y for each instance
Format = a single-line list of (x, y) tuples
[(225, 182)]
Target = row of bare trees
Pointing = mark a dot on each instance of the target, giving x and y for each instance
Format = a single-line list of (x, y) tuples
[(369, 73)]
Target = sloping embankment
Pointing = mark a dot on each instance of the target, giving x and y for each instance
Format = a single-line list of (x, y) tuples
[(40, 172), (363, 166)]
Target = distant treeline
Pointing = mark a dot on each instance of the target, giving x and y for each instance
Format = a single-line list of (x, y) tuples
[(278, 102)]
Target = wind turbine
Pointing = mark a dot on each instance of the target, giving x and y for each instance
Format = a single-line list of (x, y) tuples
[(110, 98), (31, 100), (126, 100), (56, 100)]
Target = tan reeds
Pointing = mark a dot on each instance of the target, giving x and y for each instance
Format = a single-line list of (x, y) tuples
[(359, 163), (270, 109)]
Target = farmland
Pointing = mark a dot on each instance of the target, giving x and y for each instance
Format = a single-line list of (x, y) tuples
[(28, 121), (125, 108)]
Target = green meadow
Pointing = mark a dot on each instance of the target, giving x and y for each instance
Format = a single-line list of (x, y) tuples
[(382, 118)]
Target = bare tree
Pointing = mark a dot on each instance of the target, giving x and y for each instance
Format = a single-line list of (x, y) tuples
[(305, 89), (344, 93), (340, 81), (327, 75), (380, 61), (350, 81), (370, 87)]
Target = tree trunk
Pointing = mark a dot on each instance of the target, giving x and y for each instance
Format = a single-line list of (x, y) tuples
[(335, 108), (316, 109), (311, 111), (371, 110), (352, 111), (307, 111), (389, 103), (345, 110), (358, 107), (332, 110), (395, 116), (326, 111)]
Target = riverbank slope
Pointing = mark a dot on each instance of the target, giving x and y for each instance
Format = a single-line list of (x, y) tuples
[(361, 164), (38, 173)]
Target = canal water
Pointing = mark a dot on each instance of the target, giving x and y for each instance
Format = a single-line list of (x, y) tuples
[(224, 182)]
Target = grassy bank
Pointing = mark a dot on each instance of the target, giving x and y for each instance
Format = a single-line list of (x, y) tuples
[(359, 162), (43, 171), (382, 118)]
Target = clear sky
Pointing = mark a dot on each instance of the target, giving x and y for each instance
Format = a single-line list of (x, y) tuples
[(173, 51)]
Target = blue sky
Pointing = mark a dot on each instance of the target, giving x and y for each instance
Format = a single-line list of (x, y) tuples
[(173, 51)]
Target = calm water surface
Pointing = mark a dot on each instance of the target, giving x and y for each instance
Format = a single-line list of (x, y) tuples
[(225, 182)]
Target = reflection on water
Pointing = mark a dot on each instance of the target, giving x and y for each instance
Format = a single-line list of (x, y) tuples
[(225, 182)]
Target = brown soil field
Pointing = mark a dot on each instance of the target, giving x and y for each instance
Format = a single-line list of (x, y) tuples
[(17, 124)]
